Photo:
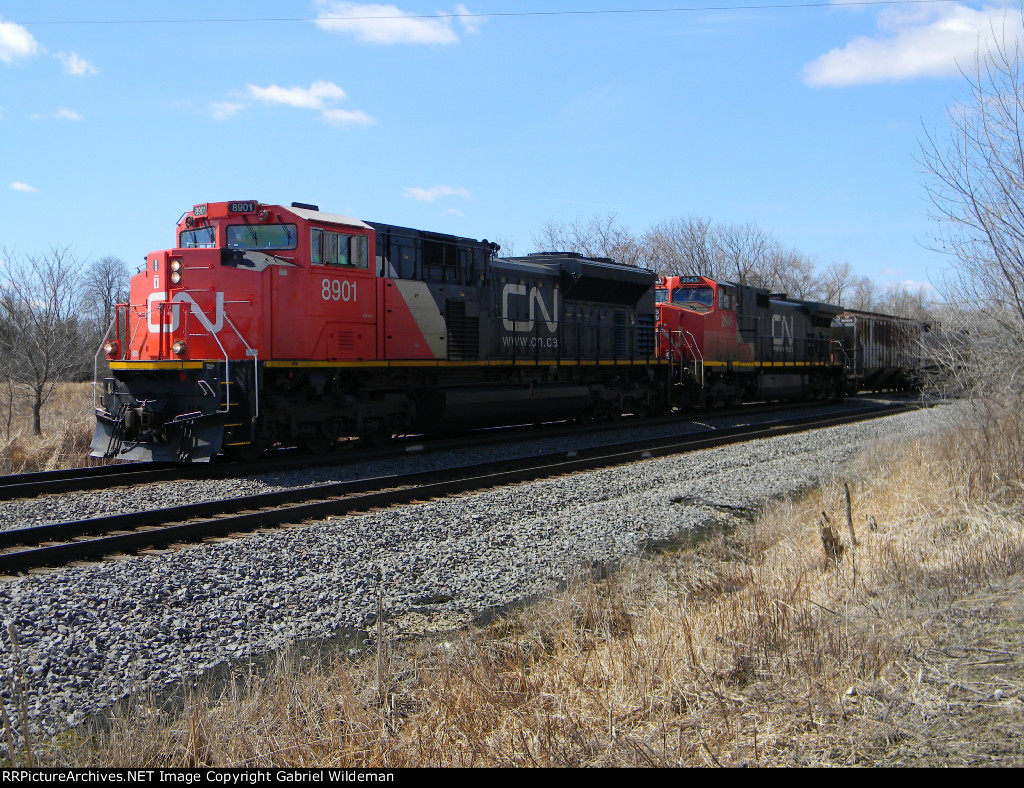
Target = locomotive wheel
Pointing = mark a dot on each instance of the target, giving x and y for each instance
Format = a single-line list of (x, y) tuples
[(375, 440), (316, 444)]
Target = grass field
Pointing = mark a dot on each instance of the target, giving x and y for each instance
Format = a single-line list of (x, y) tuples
[(765, 644), (67, 421)]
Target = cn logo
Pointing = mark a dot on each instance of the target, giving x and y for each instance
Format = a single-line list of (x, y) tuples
[(782, 336), (157, 320), (536, 303)]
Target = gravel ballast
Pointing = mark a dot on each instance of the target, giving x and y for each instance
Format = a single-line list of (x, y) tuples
[(92, 634), (45, 509)]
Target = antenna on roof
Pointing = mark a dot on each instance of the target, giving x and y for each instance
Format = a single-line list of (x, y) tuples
[(305, 205)]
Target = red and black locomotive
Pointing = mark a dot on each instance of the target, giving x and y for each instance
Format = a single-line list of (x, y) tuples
[(269, 325), (737, 343)]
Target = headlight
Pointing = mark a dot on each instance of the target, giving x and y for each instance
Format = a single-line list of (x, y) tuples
[(175, 265), (176, 278), (178, 348), (110, 348)]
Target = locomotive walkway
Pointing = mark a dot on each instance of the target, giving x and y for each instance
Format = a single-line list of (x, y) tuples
[(57, 544)]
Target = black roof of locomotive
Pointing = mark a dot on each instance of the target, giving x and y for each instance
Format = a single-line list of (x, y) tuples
[(587, 278)]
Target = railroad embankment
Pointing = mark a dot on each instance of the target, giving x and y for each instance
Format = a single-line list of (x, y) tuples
[(794, 635)]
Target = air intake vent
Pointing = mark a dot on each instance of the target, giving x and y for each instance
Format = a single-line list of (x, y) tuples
[(463, 333)]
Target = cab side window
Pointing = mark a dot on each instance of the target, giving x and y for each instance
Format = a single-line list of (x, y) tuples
[(316, 245), (329, 248)]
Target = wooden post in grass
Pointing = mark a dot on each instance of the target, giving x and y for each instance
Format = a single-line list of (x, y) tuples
[(380, 640), (8, 728), (830, 541), (19, 693), (853, 538)]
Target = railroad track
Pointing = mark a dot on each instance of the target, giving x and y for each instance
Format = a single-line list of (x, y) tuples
[(101, 477), (30, 485), (62, 543)]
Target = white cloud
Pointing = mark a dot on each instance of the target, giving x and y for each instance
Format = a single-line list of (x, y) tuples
[(318, 96), (222, 110), (346, 117), (313, 97), (15, 42), (75, 65), (431, 194), (61, 114), (18, 186), (911, 284), (454, 212), (470, 23), (924, 42), (383, 24)]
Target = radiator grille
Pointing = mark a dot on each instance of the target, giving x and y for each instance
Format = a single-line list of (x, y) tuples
[(463, 333)]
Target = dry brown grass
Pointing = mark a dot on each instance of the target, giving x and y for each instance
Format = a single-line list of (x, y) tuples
[(751, 648), (67, 422)]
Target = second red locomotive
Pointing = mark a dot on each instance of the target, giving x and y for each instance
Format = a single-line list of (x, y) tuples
[(737, 343)]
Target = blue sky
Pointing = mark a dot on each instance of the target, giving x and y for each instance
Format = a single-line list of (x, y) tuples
[(117, 117)]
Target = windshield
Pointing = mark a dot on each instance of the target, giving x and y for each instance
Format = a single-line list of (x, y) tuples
[(262, 236), (200, 238), (660, 295), (700, 298)]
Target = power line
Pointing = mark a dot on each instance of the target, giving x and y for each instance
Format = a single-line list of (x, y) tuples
[(490, 15)]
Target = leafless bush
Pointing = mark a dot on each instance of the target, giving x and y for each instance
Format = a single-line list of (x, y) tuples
[(977, 191)]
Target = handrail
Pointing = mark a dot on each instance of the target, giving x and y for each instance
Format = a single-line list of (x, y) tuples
[(96, 358), (697, 355), (255, 364)]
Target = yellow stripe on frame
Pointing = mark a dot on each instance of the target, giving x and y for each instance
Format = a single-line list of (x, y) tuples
[(447, 364), (129, 365)]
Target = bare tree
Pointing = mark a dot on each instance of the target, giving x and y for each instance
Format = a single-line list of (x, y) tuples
[(792, 272), (105, 284), (682, 246), (40, 310), (835, 282), (599, 236), (863, 294), (904, 302), (977, 191), (506, 246), (743, 254)]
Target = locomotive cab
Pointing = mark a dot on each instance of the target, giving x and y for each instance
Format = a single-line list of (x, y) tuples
[(239, 287), (697, 320), (732, 343)]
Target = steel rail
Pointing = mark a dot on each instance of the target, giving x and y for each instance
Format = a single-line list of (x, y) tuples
[(101, 477), (201, 520)]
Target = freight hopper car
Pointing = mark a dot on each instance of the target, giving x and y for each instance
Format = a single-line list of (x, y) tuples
[(730, 343), (269, 325), (883, 352)]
